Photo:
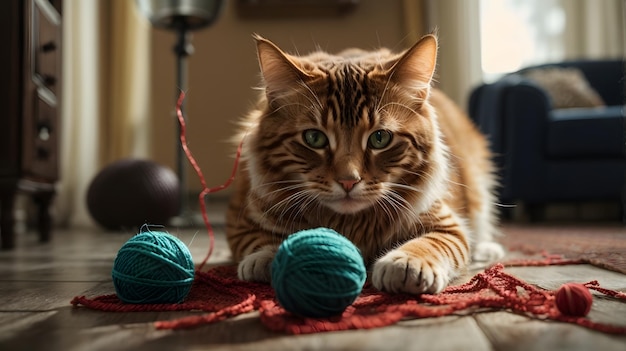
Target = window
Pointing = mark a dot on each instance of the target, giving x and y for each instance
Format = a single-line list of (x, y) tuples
[(518, 33)]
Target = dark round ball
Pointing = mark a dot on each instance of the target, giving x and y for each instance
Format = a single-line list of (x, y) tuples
[(130, 193)]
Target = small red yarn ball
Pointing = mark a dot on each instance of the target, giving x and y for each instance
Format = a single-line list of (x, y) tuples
[(573, 299)]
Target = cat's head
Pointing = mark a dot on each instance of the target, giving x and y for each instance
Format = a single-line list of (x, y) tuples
[(348, 132)]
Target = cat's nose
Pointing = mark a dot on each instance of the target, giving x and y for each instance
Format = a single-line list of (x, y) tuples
[(348, 184)]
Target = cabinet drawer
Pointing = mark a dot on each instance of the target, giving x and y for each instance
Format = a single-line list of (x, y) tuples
[(41, 138), (46, 45)]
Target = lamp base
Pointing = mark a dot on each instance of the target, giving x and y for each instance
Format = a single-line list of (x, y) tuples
[(187, 219), (168, 14)]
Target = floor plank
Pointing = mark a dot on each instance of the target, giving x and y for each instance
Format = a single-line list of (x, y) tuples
[(114, 332), (552, 277), (510, 332), (39, 296)]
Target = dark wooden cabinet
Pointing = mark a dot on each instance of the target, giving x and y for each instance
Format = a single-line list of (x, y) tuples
[(30, 87)]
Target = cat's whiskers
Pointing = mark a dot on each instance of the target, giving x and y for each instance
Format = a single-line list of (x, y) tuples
[(410, 212), (283, 189), (459, 184), (317, 101), (413, 173), (426, 176), (277, 182), (264, 197), (383, 204), (399, 202), (402, 210), (288, 203), (385, 89), (304, 206), (294, 206), (282, 106), (395, 103), (403, 186)]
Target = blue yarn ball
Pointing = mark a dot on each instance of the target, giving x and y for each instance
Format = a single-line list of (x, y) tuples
[(317, 273), (153, 267)]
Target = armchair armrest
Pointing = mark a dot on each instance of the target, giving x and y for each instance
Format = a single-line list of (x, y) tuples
[(513, 112)]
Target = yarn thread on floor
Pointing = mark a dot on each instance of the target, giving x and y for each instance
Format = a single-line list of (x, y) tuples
[(222, 295)]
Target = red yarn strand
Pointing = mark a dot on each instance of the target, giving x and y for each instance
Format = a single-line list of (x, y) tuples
[(221, 295), (594, 285), (205, 189)]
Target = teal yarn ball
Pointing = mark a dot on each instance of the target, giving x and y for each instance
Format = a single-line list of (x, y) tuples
[(153, 268), (317, 273)]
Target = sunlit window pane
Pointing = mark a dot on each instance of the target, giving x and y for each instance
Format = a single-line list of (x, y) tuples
[(518, 33)]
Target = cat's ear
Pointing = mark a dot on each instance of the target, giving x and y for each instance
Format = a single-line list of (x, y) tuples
[(280, 71), (416, 67)]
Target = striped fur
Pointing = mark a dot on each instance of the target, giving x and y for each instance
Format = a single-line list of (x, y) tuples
[(316, 155)]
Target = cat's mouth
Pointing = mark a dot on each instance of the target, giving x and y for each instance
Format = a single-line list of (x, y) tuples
[(348, 205)]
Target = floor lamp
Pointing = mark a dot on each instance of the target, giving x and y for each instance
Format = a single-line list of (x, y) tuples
[(182, 17)]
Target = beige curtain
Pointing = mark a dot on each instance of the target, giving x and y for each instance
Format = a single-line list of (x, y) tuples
[(595, 28), (104, 113), (124, 128), (458, 27)]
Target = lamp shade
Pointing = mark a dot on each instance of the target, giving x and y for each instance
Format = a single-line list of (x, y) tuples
[(170, 14)]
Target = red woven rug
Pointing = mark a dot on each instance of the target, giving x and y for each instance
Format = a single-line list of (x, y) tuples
[(601, 245), (217, 295)]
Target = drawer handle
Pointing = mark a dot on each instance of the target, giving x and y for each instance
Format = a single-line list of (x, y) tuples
[(43, 153), (44, 133), (49, 80), (49, 46)]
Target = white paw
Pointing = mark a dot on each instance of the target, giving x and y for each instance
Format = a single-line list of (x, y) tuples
[(398, 271), (487, 251), (257, 267)]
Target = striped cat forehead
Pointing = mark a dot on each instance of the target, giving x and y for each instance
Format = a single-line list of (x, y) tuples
[(349, 97), (349, 88), (412, 68), (351, 60)]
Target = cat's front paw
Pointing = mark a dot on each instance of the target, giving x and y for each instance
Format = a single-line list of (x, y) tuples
[(398, 271), (257, 267), (487, 251)]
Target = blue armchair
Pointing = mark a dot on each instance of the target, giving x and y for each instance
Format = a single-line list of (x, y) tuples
[(546, 154)]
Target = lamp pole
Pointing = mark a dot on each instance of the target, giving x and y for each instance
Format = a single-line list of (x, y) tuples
[(181, 16), (182, 49)]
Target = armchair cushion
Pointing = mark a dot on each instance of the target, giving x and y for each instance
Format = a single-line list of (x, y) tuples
[(586, 133), (566, 86)]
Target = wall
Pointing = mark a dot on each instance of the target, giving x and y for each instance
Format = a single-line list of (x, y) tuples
[(223, 70)]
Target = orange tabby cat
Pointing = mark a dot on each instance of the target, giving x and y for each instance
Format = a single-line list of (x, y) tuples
[(359, 142)]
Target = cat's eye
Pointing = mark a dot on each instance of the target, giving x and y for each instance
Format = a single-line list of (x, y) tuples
[(380, 139), (315, 138)]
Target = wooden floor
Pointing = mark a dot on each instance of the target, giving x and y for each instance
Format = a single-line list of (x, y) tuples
[(37, 282)]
